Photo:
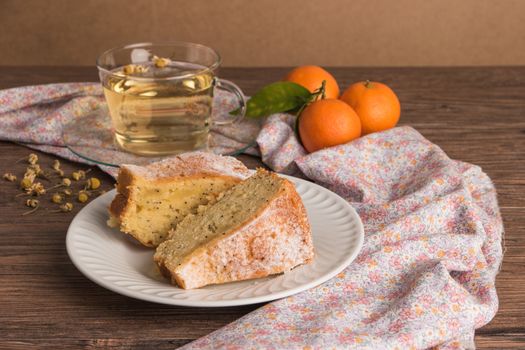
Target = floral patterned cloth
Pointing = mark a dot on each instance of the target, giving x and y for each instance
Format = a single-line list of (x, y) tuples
[(426, 274)]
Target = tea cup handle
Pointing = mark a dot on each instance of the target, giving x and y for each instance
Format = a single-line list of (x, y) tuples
[(231, 87)]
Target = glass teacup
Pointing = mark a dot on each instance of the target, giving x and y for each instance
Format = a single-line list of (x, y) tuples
[(160, 96)]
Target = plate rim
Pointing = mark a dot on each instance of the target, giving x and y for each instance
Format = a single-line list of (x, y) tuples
[(215, 303)]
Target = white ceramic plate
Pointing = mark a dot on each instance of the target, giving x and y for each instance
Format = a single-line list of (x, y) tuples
[(116, 262)]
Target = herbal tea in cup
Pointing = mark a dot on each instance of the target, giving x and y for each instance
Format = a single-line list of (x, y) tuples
[(160, 96)]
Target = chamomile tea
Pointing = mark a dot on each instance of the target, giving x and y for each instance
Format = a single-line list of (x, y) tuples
[(153, 114), (160, 96)]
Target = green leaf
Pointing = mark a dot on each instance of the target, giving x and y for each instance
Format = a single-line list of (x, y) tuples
[(282, 96)]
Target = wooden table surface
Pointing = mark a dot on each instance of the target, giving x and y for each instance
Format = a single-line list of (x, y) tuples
[(475, 114)]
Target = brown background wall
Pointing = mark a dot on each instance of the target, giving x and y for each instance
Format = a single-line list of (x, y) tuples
[(271, 32)]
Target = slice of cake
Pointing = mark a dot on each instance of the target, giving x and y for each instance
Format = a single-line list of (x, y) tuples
[(258, 228), (151, 200)]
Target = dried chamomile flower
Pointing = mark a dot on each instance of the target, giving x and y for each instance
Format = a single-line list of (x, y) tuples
[(35, 168), (32, 203), (39, 188), (83, 196), (77, 175), (93, 183), (57, 198), (66, 182), (161, 62), (140, 69), (32, 159), (30, 174), (67, 191), (56, 164), (133, 69), (26, 183), (36, 189), (66, 207), (128, 69), (60, 172), (9, 177)]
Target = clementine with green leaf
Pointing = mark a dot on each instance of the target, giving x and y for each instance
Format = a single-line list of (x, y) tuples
[(311, 77)]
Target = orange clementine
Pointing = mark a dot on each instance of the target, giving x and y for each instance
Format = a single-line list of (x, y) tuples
[(327, 123), (311, 77), (375, 103)]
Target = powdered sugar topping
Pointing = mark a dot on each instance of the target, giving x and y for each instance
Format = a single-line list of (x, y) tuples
[(193, 163)]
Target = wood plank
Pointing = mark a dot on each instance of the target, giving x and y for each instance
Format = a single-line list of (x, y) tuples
[(504, 340)]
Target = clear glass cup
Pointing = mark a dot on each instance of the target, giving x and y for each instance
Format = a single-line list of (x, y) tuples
[(160, 96)]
